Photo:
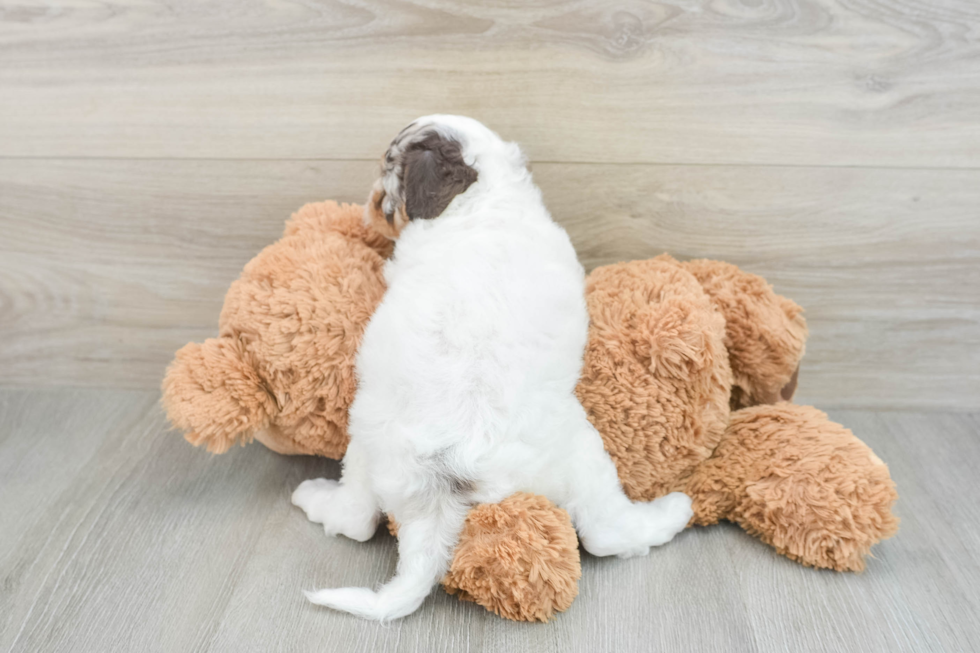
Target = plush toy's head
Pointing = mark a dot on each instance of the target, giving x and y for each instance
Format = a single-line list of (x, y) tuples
[(656, 379), (282, 367), (670, 345), (687, 374)]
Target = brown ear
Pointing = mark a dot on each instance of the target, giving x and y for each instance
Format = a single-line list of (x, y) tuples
[(214, 395), (764, 332), (434, 172), (388, 225)]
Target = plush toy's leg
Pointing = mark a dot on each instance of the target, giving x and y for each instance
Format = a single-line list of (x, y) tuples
[(347, 508), (609, 523), (538, 574), (798, 481), (425, 549)]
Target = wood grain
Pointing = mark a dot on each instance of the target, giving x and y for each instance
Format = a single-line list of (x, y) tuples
[(123, 548), (119, 536), (148, 149), (107, 267), (805, 82), (885, 262)]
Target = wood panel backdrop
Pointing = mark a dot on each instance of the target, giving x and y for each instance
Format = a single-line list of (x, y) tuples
[(149, 148)]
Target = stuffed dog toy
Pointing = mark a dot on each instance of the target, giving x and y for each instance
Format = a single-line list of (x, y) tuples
[(688, 373)]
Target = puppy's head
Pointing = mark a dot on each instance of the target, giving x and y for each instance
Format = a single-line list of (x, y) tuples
[(428, 164)]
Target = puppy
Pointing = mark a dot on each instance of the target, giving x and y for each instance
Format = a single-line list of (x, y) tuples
[(467, 371)]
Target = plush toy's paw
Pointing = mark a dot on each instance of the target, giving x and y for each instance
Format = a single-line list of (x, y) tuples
[(798, 481), (338, 508), (518, 558)]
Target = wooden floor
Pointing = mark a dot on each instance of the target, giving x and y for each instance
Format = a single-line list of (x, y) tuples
[(120, 536), (150, 148)]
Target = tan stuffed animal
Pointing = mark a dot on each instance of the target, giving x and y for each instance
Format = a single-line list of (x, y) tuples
[(683, 371)]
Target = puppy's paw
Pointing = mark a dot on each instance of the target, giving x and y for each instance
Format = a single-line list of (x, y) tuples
[(634, 552), (342, 510), (669, 515), (313, 496)]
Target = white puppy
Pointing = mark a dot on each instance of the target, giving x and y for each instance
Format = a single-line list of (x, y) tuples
[(467, 371)]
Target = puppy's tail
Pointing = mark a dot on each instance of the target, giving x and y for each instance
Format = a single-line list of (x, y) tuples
[(425, 549)]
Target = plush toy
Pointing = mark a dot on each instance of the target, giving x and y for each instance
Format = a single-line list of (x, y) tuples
[(687, 376)]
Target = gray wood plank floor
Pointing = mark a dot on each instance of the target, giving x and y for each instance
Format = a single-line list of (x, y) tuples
[(116, 535), (149, 148)]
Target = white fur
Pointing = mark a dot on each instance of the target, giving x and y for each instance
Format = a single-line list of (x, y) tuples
[(467, 374)]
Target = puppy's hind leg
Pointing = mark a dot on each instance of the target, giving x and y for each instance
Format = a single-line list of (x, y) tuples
[(607, 521), (347, 508), (425, 549)]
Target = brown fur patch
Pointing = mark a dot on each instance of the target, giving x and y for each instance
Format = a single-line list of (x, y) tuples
[(388, 225), (433, 173), (421, 173), (790, 388)]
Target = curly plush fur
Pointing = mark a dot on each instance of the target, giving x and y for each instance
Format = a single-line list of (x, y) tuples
[(282, 368), (518, 558), (753, 479), (765, 334), (679, 343), (656, 379), (671, 346)]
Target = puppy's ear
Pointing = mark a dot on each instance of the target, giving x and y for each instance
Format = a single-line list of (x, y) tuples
[(434, 172), (383, 214)]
